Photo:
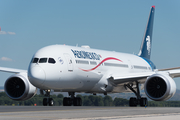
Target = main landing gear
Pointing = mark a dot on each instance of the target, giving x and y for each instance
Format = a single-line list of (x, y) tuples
[(68, 101), (47, 101), (133, 102)]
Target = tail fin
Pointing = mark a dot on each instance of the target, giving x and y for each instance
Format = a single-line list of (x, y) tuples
[(145, 50)]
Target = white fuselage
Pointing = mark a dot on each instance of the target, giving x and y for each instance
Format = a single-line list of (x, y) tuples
[(77, 69)]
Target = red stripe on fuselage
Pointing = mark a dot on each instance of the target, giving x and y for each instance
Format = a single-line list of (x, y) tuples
[(109, 58)]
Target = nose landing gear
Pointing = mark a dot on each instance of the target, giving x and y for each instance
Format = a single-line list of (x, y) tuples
[(47, 101)]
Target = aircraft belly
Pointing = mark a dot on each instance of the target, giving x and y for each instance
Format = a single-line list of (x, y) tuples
[(89, 80), (73, 82)]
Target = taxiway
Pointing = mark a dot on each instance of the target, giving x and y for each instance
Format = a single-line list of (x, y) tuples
[(87, 113)]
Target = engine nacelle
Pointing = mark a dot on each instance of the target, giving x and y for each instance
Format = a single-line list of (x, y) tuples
[(18, 87), (160, 87)]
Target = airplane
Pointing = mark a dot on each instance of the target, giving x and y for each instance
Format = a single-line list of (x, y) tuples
[(72, 69)]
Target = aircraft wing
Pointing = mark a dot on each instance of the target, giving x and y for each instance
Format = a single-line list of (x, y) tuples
[(117, 79), (173, 72), (11, 70), (141, 77)]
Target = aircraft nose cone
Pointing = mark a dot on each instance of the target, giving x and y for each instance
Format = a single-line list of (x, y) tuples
[(36, 75)]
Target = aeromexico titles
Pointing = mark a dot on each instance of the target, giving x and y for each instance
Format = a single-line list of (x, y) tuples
[(91, 56)]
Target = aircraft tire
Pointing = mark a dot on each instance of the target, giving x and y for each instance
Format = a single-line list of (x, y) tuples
[(143, 102), (77, 101), (132, 102), (51, 102), (67, 101), (45, 102)]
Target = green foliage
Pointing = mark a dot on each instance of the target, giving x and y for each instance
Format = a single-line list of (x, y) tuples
[(37, 99), (86, 101), (60, 96), (90, 100), (121, 102), (108, 101)]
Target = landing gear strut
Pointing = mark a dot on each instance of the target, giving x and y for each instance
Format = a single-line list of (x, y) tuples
[(139, 100), (47, 101), (68, 101)]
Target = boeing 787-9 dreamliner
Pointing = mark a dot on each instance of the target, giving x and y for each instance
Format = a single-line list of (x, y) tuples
[(63, 68)]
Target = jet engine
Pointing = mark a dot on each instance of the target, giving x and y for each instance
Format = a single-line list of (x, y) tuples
[(18, 87), (160, 87)]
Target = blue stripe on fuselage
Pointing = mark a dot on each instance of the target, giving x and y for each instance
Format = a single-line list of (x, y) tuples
[(150, 63)]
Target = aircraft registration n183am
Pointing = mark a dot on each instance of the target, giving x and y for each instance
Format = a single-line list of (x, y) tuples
[(63, 68)]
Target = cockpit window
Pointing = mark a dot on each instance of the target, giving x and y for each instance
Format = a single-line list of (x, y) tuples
[(43, 60), (51, 60), (35, 60)]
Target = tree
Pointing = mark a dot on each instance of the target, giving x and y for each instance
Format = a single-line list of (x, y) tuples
[(121, 102), (87, 101), (98, 101), (108, 101), (60, 96)]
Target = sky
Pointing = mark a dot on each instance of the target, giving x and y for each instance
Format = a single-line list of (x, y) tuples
[(114, 25)]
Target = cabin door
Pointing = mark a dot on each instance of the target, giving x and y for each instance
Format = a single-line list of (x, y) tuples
[(69, 62)]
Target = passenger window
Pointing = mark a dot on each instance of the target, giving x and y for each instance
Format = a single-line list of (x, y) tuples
[(43, 60), (51, 60), (35, 60)]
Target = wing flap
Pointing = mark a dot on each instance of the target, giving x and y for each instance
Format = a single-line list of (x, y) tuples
[(142, 76)]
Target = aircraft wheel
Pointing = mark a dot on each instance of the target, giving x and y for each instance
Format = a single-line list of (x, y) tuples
[(51, 102), (77, 101), (143, 102), (132, 102), (45, 102), (67, 101)]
